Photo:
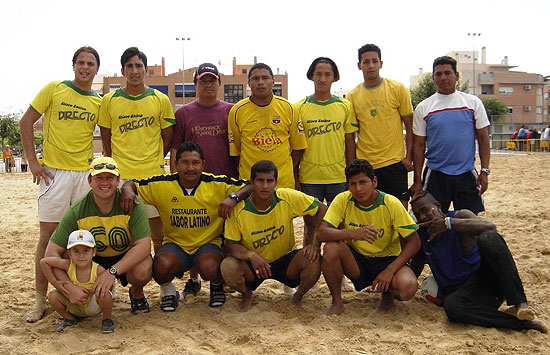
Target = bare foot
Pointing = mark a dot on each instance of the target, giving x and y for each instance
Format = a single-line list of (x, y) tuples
[(386, 302), (289, 291), (345, 286), (34, 316), (536, 324), (524, 312), (511, 310), (297, 302), (336, 308), (246, 301)]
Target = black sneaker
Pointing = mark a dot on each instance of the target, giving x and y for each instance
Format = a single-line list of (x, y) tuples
[(107, 326), (191, 288), (217, 296)]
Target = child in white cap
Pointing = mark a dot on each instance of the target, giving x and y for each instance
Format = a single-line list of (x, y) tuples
[(82, 271)]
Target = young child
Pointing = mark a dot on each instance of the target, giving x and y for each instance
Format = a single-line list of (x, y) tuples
[(83, 272)]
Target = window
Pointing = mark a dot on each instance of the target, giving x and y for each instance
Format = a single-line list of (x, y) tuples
[(539, 109), (506, 90), (244, 71), (189, 90), (487, 89), (233, 93), (151, 72), (278, 90), (510, 109), (113, 87), (161, 88)]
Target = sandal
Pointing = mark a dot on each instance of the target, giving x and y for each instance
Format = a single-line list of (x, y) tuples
[(138, 305), (170, 302), (66, 323)]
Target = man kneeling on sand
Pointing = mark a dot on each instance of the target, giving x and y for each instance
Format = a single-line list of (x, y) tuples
[(260, 238), (368, 250), (473, 268)]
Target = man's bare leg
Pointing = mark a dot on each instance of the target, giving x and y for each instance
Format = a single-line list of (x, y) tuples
[(233, 271), (333, 273), (156, 232), (41, 283), (308, 277), (403, 287)]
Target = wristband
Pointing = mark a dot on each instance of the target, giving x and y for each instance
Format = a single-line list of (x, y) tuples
[(448, 222)]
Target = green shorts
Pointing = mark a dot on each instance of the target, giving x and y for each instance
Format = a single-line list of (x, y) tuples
[(90, 308)]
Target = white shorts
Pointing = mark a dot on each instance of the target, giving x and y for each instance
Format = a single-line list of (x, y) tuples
[(152, 211), (66, 187)]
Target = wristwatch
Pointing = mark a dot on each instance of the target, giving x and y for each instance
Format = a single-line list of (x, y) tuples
[(112, 271), (486, 171), (234, 197)]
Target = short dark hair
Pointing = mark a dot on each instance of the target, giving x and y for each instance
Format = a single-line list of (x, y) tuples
[(263, 166), (444, 60), (358, 166), (129, 53), (369, 47), (326, 60), (86, 49), (189, 147), (423, 194), (260, 66)]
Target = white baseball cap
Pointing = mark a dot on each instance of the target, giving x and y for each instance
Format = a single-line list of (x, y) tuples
[(81, 237)]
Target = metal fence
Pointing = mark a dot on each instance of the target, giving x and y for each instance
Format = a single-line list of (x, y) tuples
[(525, 145)]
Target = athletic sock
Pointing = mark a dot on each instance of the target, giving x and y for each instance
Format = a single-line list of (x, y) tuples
[(168, 289)]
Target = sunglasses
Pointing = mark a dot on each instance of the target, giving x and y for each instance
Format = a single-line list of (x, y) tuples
[(102, 165)]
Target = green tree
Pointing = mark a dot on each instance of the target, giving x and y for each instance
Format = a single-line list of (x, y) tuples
[(38, 138), (426, 88), (9, 129), (496, 109)]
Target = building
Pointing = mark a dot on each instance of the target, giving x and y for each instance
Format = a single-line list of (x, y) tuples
[(234, 87), (523, 93)]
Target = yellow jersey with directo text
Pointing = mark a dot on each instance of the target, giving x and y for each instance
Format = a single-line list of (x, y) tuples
[(326, 124), (270, 233), (386, 214), (265, 133), (69, 119), (136, 123), (189, 219), (379, 111)]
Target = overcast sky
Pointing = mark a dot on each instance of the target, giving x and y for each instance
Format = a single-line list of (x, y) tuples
[(38, 38)]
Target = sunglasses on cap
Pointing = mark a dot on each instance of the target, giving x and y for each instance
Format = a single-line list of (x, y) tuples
[(106, 165)]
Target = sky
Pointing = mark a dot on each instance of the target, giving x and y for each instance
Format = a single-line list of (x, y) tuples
[(38, 38)]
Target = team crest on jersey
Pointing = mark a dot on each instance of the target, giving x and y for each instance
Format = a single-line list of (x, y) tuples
[(373, 112), (230, 137), (276, 120), (300, 127), (175, 199), (266, 140)]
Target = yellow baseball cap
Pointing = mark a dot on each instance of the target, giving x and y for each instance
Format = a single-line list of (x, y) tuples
[(104, 165)]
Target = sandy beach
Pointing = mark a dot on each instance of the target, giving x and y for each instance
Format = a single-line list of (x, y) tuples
[(518, 201)]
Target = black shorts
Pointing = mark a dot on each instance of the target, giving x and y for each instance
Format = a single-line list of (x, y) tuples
[(107, 261), (461, 190), (369, 268), (393, 180), (278, 272)]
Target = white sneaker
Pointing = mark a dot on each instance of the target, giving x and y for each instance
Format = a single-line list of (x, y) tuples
[(289, 291)]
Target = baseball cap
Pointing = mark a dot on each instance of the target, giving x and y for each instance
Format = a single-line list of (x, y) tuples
[(207, 68), (104, 165), (81, 237)]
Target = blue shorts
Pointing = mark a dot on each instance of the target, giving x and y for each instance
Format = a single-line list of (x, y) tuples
[(369, 268), (188, 260), (324, 191), (278, 272)]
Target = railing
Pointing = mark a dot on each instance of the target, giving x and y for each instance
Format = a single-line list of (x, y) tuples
[(524, 145)]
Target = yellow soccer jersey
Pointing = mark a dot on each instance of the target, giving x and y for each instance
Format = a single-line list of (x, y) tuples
[(379, 111), (387, 214), (270, 233), (189, 220), (135, 123), (325, 125), (265, 133), (69, 120)]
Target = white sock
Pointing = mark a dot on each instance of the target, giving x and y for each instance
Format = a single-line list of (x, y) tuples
[(168, 289)]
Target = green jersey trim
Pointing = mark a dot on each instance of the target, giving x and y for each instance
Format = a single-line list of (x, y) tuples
[(379, 202), (121, 93), (312, 100), (81, 92), (248, 206), (375, 87), (313, 205)]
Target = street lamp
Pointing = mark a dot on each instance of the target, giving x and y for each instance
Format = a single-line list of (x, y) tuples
[(183, 39), (474, 56)]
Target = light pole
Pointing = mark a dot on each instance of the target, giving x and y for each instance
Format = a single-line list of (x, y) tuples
[(474, 56), (183, 39)]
